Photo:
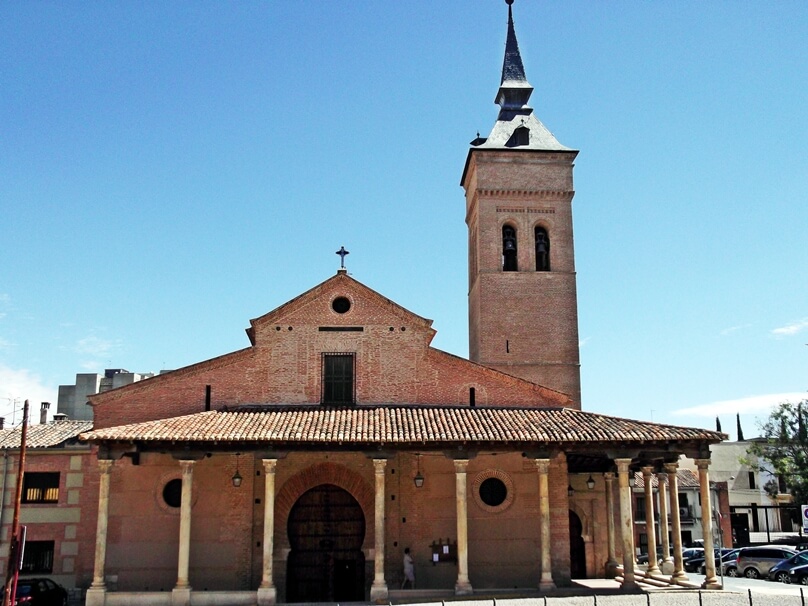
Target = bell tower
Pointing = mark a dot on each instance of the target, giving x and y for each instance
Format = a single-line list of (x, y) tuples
[(523, 310)]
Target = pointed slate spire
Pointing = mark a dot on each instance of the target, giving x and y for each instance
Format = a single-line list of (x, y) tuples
[(517, 127), (717, 424), (740, 429), (515, 90)]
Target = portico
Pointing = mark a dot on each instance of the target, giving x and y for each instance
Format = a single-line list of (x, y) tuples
[(395, 511)]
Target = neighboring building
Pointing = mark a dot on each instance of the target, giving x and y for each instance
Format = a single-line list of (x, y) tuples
[(73, 399), (757, 516), (59, 499)]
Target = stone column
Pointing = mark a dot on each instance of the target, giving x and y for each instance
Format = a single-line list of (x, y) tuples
[(626, 524), (463, 584), (650, 522), (97, 592), (710, 580), (667, 561), (543, 467), (611, 563), (676, 524), (181, 594), (378, 590), (267, 594)]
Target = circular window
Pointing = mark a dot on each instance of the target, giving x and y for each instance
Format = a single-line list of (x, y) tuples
[(341, 305), (172, 492), (493, 490)]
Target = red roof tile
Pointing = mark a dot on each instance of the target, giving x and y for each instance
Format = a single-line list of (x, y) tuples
[(393, 425), (44, 436)]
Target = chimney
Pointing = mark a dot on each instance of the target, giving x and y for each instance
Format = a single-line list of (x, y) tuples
[(43, 412), (59, 416), (2, 422)]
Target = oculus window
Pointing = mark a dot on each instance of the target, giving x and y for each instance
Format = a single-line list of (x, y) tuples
[(172, 493), (493, 490)]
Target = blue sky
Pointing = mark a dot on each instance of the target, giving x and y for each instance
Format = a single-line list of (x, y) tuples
[(170, 170)]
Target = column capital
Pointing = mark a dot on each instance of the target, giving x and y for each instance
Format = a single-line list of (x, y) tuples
[(608, 476), (702, 463), (379, 465), (662, 478), (461, 465), (187, 466), (672, 467), (269, 465), (647, 471), (105, 465), (623, 465), (542, 465)]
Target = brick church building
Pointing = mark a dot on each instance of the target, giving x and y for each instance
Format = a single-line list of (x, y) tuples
[(300, 468)]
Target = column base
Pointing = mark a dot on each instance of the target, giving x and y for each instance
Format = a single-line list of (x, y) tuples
[(713, 583), (653, 570), (267, 596), (379, 593), (628, 585), (463, 588), (667, 567), (96, 596), (547, 585), (181, 596), (610, 569)]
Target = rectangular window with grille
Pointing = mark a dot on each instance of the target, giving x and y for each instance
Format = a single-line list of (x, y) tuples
[(639, 511), (40, 487), (37, 557), (338, 378)]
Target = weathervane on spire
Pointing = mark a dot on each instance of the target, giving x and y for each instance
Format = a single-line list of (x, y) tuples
[(342, 252)]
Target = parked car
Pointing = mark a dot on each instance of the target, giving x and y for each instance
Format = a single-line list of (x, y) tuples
[(799, 574), (755, 562), (781, 571), (726, 554), (692, 552), (729, 565), (39, 592)]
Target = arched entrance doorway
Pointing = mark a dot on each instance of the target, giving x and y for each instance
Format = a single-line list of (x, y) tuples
[(577, 548), (326, 564)]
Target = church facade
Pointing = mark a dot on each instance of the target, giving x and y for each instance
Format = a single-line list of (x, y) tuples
[(300, 468)]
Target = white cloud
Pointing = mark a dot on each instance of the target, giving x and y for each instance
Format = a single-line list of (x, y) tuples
[(791, 329), (96, 346), (732, 329), (21, 384), (748, 405)]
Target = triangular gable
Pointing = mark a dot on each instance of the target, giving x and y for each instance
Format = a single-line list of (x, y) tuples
[(372, 308)]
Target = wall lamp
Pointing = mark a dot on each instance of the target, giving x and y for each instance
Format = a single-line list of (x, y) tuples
[(237, 479), (418, 479)]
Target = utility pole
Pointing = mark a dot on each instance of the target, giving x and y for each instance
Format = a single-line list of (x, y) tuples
[(15, 547)]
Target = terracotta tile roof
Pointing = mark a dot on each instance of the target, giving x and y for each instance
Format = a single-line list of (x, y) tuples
[(44, 436), (687, 479), (398, 424)]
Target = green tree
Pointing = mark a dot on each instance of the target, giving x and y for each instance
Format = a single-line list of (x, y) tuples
[(784, 452)]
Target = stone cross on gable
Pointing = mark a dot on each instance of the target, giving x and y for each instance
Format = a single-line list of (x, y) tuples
[(342, 252)]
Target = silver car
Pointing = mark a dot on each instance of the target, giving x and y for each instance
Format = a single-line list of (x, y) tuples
[(755, 562)]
